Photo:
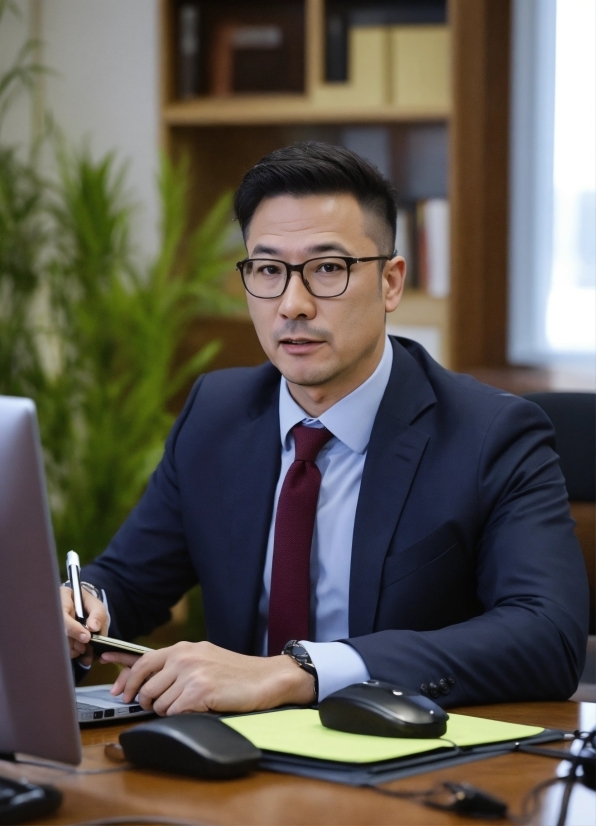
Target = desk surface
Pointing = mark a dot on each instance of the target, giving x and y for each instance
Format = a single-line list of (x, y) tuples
[(268, 798)]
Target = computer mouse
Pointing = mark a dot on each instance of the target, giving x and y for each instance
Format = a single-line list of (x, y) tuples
[(195, 744), (21, 801), (384, 710)]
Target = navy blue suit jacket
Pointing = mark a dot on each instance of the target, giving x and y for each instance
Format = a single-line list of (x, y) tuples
[(464, 560)]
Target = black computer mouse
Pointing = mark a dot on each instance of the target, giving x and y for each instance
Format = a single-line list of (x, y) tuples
[(21, 801), (384, 710), (195, 744)]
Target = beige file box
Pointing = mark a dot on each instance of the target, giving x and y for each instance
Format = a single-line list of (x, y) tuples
[(368, 72), (420, 67)]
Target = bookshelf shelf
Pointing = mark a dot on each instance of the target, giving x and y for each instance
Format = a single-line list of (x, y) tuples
[(286, 109)]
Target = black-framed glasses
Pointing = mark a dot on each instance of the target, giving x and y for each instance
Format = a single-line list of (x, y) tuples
[(325, 277)]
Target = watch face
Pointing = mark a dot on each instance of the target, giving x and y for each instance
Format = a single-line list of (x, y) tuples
[(300, 654)]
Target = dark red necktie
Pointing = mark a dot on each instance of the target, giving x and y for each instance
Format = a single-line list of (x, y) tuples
[(289, 600)]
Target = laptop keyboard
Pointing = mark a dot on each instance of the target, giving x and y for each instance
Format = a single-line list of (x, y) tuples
[(86, 711)]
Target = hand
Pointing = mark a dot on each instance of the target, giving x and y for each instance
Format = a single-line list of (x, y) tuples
[(78, 635), (203, 677)]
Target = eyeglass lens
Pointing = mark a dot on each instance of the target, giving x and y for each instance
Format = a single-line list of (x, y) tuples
[(325, 277)]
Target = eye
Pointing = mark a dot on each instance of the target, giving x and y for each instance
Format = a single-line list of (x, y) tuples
[(269, 270), (330, 267)]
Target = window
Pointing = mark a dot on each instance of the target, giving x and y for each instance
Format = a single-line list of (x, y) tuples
[(553, 182), (571, 305)]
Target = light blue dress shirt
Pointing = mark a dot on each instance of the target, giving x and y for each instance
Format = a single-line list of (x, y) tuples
[(341, 463)]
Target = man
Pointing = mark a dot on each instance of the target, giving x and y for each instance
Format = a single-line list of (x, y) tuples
[(384, 517)]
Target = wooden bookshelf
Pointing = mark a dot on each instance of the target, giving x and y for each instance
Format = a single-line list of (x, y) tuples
[(286, 109), (224, 136)]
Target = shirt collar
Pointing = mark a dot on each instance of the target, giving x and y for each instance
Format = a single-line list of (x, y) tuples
[(351, 419)]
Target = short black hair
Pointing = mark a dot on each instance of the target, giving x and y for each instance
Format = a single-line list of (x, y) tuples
[(314, 168)]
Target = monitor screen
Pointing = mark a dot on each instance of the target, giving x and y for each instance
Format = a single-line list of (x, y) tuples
[(37, 697)]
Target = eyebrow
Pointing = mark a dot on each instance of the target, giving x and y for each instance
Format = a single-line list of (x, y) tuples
[(261, 249), (317, 249)]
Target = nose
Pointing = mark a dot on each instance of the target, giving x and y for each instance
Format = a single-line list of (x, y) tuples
[(296, 301)]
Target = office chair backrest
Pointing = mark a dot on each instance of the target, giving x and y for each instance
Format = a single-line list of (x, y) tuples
[(574, 418)]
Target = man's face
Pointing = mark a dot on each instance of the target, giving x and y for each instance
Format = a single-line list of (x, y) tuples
[(325, 347)]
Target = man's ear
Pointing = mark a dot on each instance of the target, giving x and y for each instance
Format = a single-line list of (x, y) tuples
[(394, 276)]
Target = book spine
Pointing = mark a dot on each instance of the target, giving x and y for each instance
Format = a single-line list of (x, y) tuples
[(436, 222), (421, 246), (405, 245), (336, 48), (188, 51)]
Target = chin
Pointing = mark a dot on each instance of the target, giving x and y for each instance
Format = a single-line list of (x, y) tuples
[(307, 377)]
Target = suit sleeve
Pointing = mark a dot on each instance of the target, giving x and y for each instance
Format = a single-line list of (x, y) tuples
[(529, 642), (146, 568)]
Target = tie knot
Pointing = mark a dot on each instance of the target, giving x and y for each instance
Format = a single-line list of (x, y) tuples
[(308, 441)]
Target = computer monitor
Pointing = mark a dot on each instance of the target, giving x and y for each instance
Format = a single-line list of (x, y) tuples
[(37, 696)]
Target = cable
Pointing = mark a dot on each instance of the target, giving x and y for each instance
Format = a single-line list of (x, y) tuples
[(532, 796), (451, 743), (58, 767), (467, 800), (141, 820), (572, 777)]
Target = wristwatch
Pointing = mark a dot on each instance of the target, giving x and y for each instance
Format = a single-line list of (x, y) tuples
[(301, 656), (92, 589)]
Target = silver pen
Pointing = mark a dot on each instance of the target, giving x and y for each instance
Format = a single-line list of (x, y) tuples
[(73, 569)]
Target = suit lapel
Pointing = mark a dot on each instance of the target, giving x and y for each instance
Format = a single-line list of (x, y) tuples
[(257, 451), (394, 453)]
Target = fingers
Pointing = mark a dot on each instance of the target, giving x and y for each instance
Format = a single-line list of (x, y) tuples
[(87, 656), (97, 616), (120, 683), (74, 630), (120, 657), (143, 668), (155, 687), (172, 701), (76, 648)]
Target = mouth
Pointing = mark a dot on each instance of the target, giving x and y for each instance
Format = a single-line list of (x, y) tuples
[(299, 345)]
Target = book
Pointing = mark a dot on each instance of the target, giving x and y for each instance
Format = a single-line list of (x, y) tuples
[(188, 51), (405, 244), (437, 247), (420, 67), (368, 71), (336, 47), (432, 233), (341, 15), (254, 48)]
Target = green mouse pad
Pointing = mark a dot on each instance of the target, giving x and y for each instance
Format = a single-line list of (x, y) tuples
[(300, 732)]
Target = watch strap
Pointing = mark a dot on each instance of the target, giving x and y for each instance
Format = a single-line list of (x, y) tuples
[(91, 589), (301, 657)]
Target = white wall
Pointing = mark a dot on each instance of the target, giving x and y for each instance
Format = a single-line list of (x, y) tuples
[(105, 55), (14, 31)]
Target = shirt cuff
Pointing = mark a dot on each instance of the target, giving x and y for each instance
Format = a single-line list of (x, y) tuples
[(337, 664)]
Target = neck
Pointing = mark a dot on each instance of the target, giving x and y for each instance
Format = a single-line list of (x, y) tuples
[(316, 399)]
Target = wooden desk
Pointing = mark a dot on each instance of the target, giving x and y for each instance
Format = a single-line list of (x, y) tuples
[(267, 798)]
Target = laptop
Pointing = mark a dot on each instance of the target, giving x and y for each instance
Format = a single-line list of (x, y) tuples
[(39, 706)]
